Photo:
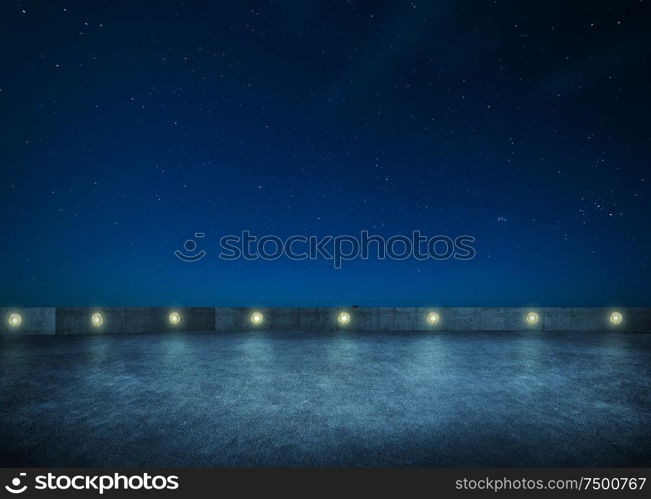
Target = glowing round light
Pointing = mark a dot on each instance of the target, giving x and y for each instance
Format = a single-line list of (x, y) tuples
[(616, 318), (15, 320), (96, 319), (532, 318), (174, 318), (343, 318), (257, 318), (433, 318)]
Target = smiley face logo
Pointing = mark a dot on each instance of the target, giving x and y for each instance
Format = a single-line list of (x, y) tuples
[(14, 487), (190, 246)]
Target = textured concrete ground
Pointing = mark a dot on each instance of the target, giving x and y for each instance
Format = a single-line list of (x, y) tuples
[(344, 399)]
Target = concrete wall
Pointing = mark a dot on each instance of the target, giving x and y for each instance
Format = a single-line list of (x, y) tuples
[(119, 320), (239, 319), (33, 321), (451, 319), (133, 320)]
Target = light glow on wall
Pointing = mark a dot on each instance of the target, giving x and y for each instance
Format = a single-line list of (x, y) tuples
[(96, 319), (433, 318), (616, 318), (343, 318), (174, 318), (257, 318), (15, 320), (532, 318)]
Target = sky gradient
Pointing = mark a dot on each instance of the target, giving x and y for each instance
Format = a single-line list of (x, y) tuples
[(128, 127)]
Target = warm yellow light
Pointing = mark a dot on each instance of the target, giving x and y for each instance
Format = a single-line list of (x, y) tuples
[(96, 319), (616, 318), (433, 318), (257, 318), (343, 318), (15, 320), (174, 318), (532, 318)]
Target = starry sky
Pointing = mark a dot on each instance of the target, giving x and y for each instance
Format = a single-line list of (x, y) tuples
[(129, 126)]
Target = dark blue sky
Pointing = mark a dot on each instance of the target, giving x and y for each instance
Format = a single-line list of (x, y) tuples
[(128, 127)]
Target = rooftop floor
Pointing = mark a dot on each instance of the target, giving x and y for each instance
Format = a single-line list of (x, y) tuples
[(329, 399)]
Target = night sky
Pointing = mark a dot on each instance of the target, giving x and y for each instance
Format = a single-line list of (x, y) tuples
[(128, 127)]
